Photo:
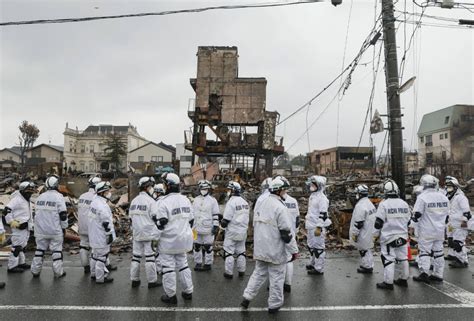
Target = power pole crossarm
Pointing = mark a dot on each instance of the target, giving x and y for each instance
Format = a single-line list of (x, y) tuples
[(393, 97)]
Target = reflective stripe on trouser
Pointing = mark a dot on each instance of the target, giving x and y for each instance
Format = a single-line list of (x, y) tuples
[(427, 249), (84, 249), (289, 273), (366, 261), (459, 236), (395, 262), (56, 247), (171, 263), (159, 269), (19, 239), (317, 244), (234, 250), (276, 275), (98, 263), (143, 249), (205, 249)]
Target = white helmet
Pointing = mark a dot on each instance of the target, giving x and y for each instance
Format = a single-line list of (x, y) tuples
[(285, 180), (418, 189), (234, 187), (429, 181), (362, 189), (450, 180), (204, 184), (146, 181), (277, 184), (390, 188), (266, 183), (319, 181), (27, 186), (93, 181), (159, 188), (171, 179), (52, 182), (102, 186)]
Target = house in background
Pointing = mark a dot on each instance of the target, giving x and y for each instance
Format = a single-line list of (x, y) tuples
[(340, 160), (10, 154), (84, 149), (446, 141), (152, 157)]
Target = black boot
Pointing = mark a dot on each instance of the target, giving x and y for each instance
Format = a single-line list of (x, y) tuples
[(309, 267), (16, 269), (87, 269), (456, 264), (241, 274), (25, 266), (385, 286), (206, 267), (228, 276), (449, 258), (287, 288), (187, 296), (136, 284), (2, 285), (167, 299), (60, 276), (435, 278), (314, 272), (364, 270), (153, 285), (198, 267), (273, 311), (401, 282), (110, 268), (423, 277), (245, 303), (106, 280)]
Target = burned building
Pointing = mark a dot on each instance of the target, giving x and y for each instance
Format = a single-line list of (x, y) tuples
[(229, 115), (342, 160)]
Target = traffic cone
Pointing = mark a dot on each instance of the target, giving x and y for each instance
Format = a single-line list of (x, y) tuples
[(410, 258)]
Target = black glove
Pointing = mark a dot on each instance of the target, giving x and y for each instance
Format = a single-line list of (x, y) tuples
[(23, 226), (106, 226), (110, 238), (63, 216), (162, 223), (224, 223), (467, 215), (285, 236), (214, 230)]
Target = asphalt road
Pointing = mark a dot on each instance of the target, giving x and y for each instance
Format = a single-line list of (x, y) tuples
[(341, 294)]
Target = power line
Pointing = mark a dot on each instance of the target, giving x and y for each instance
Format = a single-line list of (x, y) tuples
[(148, 14)]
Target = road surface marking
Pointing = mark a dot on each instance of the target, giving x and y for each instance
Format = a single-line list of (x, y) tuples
[(454, 292), (234, 309)]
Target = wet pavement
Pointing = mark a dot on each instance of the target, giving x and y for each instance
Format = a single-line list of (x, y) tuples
[(340, 294)]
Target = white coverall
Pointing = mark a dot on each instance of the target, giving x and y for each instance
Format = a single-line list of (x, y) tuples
[(21, 212), (237, 213), (176, 239), (83, 209), (294, 214), (362, 225), (459, 205), (206, 216), (143, 209), (100, 216), (434, 207), (49, 226), (395, 215), (260, 199), (270, 251), (318, 205)]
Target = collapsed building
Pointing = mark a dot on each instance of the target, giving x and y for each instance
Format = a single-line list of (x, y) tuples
[(229, 115), (343, 160)]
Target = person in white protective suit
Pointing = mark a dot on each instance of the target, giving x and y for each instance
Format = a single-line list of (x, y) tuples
[(451, 256), (17, 215), (50, 225), (158, 195), (459, 216), (175, 218), (142, 212), (294, 214), (83, 208), (235, 221), (362, 228), (101, 233), (264, 193), (413, 227), (391, 226), (2, 240), (272, 243), (316, 223), (206, 225), (430, 211)]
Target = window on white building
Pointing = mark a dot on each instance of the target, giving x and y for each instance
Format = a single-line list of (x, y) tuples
[(441, 136), (446, 120), (445, 135), (429, 140), (141, 158), (92, 166), (157, 159), (91, 149), (83, 149), (422, 139)]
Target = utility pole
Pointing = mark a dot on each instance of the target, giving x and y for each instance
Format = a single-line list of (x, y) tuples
[(393, 97)]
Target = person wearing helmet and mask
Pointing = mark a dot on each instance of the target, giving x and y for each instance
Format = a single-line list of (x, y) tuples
[(235, 221), (175, 218), (206, 224), (50, 225), (158, 195), (142, 212), (159, 192), (459, 216), (273, 241), (17, 215), (361, 228), (430, 211), (391, 227), (2, 240), (101, 233), (316, 223), (264, 193), (83, 208), (294, 213)]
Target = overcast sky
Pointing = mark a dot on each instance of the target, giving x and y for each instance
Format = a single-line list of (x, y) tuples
[(137, 70)]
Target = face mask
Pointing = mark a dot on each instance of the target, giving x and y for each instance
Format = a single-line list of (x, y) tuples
[(155, 195), (228, 193), (450, 189), (108, 195), (313, 188), (150, 191), (204, 192)]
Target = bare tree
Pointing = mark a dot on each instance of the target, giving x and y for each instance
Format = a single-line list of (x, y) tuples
[(29, 133)]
